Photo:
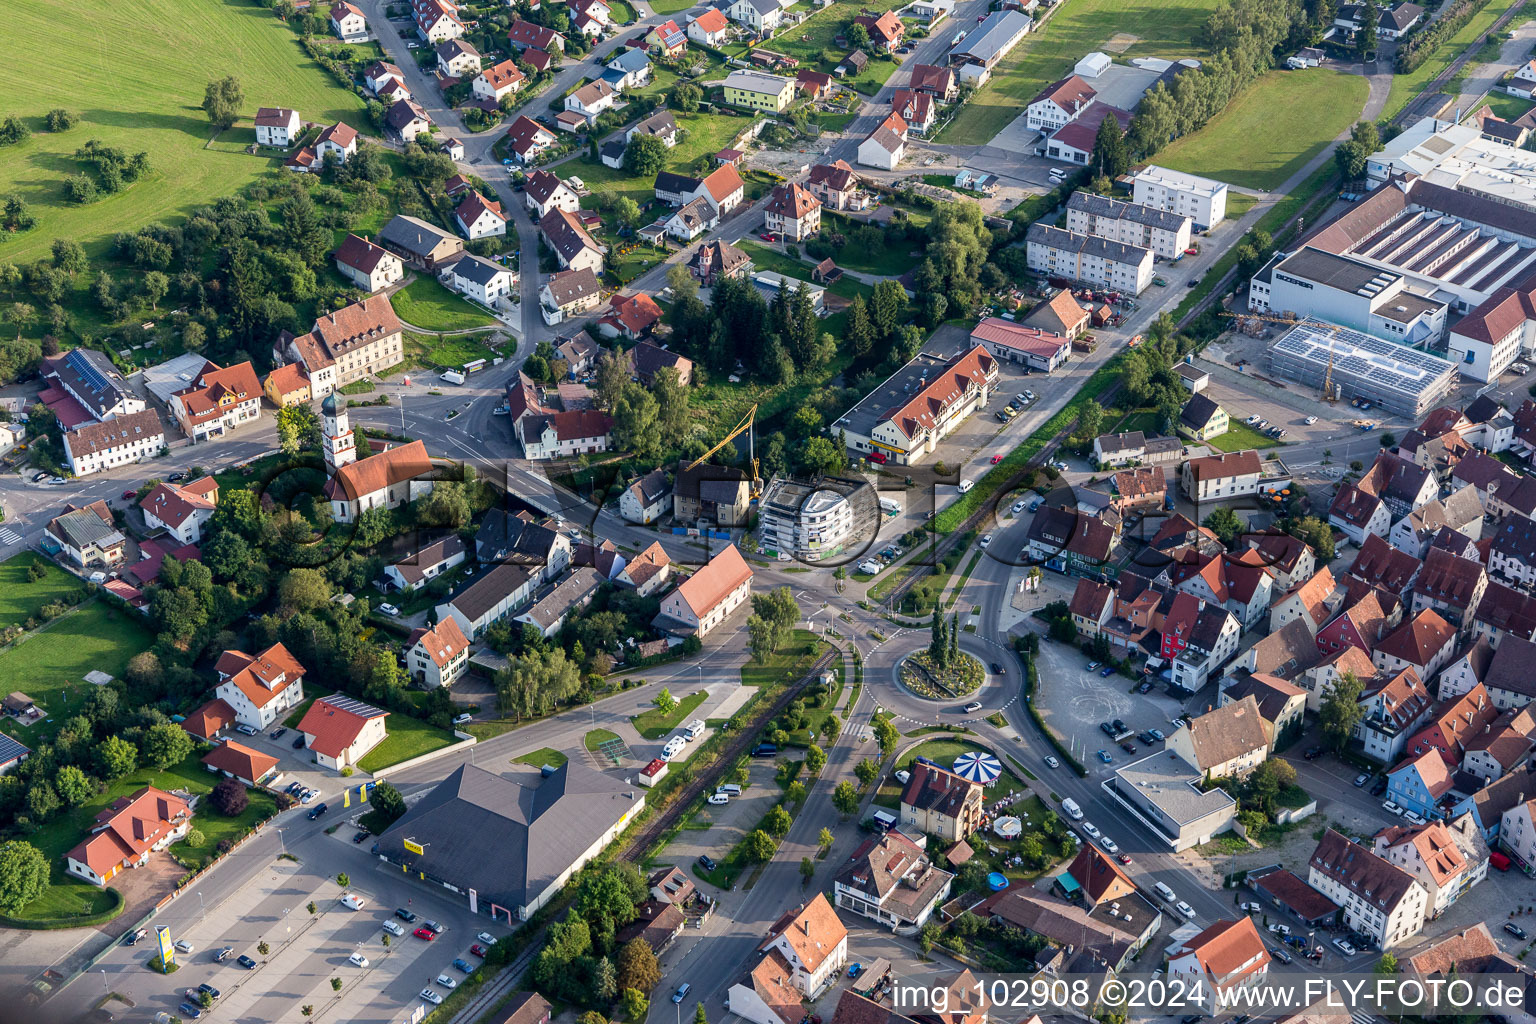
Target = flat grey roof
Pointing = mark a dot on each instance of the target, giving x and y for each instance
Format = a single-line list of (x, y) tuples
[(1164, 780), (893, 393), (1339, 272)]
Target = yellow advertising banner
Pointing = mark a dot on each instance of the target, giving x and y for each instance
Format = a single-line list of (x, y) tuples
[(412, 846), (167, 950)]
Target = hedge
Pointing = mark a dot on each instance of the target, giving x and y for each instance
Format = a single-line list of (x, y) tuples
[(56, 923)]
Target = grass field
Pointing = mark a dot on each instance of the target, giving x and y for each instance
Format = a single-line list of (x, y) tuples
[(597, 737), (408, 737), (764, 258), (541, 757), (67, 896), (426, 304), (136, 74), (813, 42), (792, 661), (656, 723), (707, 135), (1162, 29), (21, 599), (1406, 87), (1269, 132), (50, 665), (1240, 437), (216, 828), (1504, 105)]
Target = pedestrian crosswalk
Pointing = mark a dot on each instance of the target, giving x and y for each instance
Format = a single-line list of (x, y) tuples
[(1361, 1017), (9, 537)]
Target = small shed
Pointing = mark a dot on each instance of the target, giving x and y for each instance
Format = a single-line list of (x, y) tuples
[(826, 272), (652, 773)]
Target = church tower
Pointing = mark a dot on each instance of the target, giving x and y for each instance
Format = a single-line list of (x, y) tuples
[(340, 449)]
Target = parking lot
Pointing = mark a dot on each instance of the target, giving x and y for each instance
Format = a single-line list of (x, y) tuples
[(1077, 700), (306, 948), (714, 829)]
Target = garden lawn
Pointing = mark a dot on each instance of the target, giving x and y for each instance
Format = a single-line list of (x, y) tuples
[(216, 828), (1504, 105), (20, 599), (136, 76), (764, 258), (408, 737), (453, 351), (1240, 437), (656, 723), (1270, 131), (427, 305), (791, 661), (66, 895), (621, 12), (50, 665), (541, 757), (597, 737), (1406, 87), (708, 134), (1162, 29)]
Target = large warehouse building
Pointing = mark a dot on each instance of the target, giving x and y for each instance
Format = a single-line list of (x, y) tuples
[(1349, 292), (543, 830), (1402, 380)]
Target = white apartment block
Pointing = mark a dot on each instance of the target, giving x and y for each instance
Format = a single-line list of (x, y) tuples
[(1200, 199), (1100, 262), (1166, 234)]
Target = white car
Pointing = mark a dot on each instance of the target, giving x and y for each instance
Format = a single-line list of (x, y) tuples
[(357, 960), (393, 928), (486, 939), (352, 902), (1089, 828), (431, 997), (1343, 946), (183, 946), (717, 799), (1018, 507), (966, 485), (1108, 844), (986, 541), (1392, 809), (1051, 762), (447, 982), (903, 776), (1185, 909), (1250, 907), (389, 609), (1310, 420), (1280, 929), (974, 705)]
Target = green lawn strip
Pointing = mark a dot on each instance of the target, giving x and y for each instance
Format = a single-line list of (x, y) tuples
[(50, 664), (597, 737), (21, 599), (950, 518), (814, 40), (764, 258), (706, 135), (408, 737), (954, 592), (215, 828), (293, 720), (791, 661), (1406, 87), (148, 65), (541, 757), (1272, 129), (71, 825), (428, 305), (891, 577), (1504, 105), (1240, 437), (1078, 27), (621, 12), (656, 723), (1239, 203)]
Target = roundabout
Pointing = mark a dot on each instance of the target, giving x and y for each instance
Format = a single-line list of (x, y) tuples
[(961, 677), (898, 671)]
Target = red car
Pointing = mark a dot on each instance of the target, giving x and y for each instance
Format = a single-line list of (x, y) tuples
[(768, 236), (478, 950), (130, 495), (1125, 858), (996, 459), (1191, 252), (425, 933)]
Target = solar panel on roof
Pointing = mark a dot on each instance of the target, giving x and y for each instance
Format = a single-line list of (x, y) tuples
[(353, 706)]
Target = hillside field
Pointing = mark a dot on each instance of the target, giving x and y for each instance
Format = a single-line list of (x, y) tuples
[(135, 71)]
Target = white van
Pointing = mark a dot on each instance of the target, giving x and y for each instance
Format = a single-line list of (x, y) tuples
[(454, 377), (1165, 892), (890, 506), (1073, 811), (694, 729), (718, 798), (729, 789)]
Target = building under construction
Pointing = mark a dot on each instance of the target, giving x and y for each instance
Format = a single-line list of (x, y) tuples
[(819, 519), (1402, 380)]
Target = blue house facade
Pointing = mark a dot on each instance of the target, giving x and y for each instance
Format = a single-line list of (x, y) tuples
[(1418, 784)]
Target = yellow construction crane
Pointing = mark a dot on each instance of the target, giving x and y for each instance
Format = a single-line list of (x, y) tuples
[(746, 424), (1260, 316), (1328, 395)]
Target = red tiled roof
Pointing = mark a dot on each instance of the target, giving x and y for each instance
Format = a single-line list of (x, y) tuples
[(207, 720), (288, 378), (240, 761), (501, 75), (365, 476), (173, 504), (1068, 93), (361, 254), (722, 182), (131, 825), (714, 581), (711, 20), (333, 727), (442, 643), (255, 677), (791, 200), (921, 411)]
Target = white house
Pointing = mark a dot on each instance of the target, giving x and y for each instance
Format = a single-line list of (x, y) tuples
[(371, 267), (127, 832), (437, 656), (592, 99), (479, 217), (647, 499), (1202, 200), (710, 28), (886, 145), (691, 220), (631, 69), (277, 126), (348, 22), (340, 731), (758, 15), (427, 563), (117, 442), (1379, 898), (487, 283), (457, 58), (560, 435), (813, 942), (705, 599), (261, 688), (544, 191), (338, 142), (181, 509), (1059, 103), (496, 81)]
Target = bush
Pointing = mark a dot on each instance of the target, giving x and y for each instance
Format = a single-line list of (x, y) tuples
[(229, 798)]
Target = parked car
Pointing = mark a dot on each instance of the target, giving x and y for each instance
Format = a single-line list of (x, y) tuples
[(433, 927), (360, 835), (463, 965), (223, 954), (425, 934), (298, 741), (246, 962), (1345, 947), (431, 997), (1145, 737), (1313, 753), (405, 915), (477, 950), (1362, 779), (389, 609), (357, 960), (1514, 929), (183, 946), (1185, 909), (1091, 829), (707, 862), (1107, 671), (446, 981), (1250, 907), (133, 937), (1281, 955), (1128, 747), (1104, 756), (352, 901), (1144, 688), (854, 969), (189, 1011), (205, 987)]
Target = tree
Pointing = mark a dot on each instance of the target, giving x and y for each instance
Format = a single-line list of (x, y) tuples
[(638, 967), (335, 984), (229, 798), (263, 948), (807, 872), (794, 793), (23, 875), (343, 879), (13, 130), (20, 314), (627, 212), (1090, 421), (887, 735), (61, 120), (815, 760), (69, 257), (845, 798), (304, 590), (859, 333), (634, 1004), (1224, 523), (644, 155), (1387, 964), (74, 785), (636, 421), (297, 428), (1340, 710), (591, 1017), (1365, 38), (686, 97), (758, 846), (867, 771), (1267, 780), (196, 839), (824, 838), (154, 286), (222, 100), (447, 506), (116, 757), (387, 802), (778, 821), (166, 744), (886, 304), (858, 36), (665, 702), (1110, 156)]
